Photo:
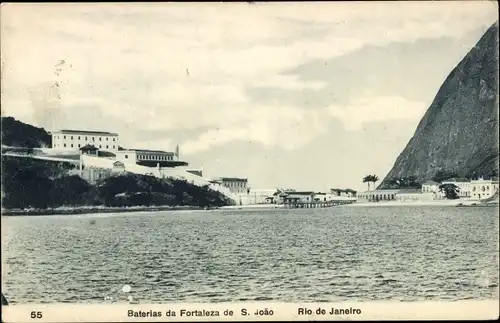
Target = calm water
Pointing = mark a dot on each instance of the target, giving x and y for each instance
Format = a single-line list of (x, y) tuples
[(335, 254)]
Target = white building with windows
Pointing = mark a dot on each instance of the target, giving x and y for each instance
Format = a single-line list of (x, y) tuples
[(234, 184), (150, 158), (483, 188), (430, 187), (76, 139)]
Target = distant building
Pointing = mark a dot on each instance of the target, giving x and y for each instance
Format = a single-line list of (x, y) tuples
[(484, 188), (234, 184), (414, 194), (75, 139), (258, 196), (463, 184), (430, 187), (150, 158), (93, 174), (89, 150), (396, 195), (118, 167), (343, 192), (321, 197), (378, 195), (299, 197)]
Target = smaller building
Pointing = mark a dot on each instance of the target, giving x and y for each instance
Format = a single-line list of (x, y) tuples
[(149, 158), (484, 188), (414, 194), (463, 184), (299, 197), (430, 187), (234, 184), (321, 197), (378, 195), (94, 174), (118, 167), (258, 196), (343, 192)]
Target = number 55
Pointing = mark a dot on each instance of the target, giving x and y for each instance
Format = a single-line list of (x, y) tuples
[(36, 315)]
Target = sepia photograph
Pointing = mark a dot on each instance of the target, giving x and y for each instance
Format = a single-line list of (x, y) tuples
[(249, 153)]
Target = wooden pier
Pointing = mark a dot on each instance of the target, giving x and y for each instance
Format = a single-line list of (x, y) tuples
[(313, 205)]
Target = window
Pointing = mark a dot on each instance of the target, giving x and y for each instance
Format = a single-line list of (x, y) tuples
[(71, 145), (64, 137), (100, 146), (71, 137), (113, 139), (93, 138), (78, 137), (107, 146), (64, 145), (113, 146), (106, 138), (126, 156), (100, 138), (85, 138), (78, 145)]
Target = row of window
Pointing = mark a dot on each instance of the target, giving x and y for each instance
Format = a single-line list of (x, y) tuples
[(79, 146), (153, 157), (483, 188), (379, 197), (86, 138), (234, 184), (485, 195)]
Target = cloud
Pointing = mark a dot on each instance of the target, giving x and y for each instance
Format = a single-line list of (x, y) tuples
[(192, 67), (270, 126), (375, 109)]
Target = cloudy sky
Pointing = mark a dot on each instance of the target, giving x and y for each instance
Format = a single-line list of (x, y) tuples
[(306, 95)]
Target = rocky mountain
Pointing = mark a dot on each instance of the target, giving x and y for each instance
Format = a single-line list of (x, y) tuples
[(459, 131)]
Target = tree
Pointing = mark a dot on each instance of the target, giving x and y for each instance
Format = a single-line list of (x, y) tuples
[(367, 179), (450, 191), (374, 179)]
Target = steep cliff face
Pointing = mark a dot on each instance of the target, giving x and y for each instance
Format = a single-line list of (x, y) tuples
[(459, 131)]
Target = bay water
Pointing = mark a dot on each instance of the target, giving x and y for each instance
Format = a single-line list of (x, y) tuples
[(290, 255)]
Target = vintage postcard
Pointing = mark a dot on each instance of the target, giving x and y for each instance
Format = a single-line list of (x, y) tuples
[(249, 161)]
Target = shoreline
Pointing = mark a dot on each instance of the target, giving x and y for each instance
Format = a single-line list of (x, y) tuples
[(105, 209), (454, 203), (96, 210)]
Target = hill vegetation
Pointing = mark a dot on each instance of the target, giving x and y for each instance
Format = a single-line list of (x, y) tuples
[(19, 134), (37, 184)]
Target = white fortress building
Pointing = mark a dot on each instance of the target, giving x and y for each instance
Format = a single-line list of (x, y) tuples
[(76, 139)]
